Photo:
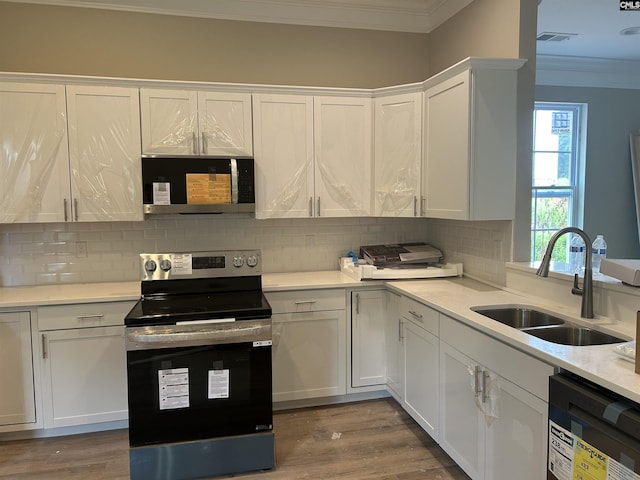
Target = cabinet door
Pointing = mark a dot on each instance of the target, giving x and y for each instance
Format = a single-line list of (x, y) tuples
[(421, 377), (169, 121), (17, 404), (446, 149), (394, 342), (368, 363), (104, 153), (461, 428), (225, 124), (343, 156), (85, 376), (283, 147), (397, 155), (309, 355), (516, 441), (34, 157)]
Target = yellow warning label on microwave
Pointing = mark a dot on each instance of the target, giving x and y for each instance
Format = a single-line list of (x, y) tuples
[(208, 188)]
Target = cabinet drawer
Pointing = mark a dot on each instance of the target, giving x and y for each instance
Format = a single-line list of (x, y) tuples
[(307, 300), (80, 315), (420, 314)]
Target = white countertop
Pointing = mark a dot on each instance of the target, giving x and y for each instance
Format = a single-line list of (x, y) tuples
[(452, 296), (60, 294), (455, 297)]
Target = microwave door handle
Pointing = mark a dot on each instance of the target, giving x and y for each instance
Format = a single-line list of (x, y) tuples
[(234, 180)]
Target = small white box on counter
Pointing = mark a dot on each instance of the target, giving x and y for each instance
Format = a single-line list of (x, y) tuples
[(627, 270)]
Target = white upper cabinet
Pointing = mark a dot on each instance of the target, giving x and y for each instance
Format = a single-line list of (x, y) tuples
[(313, 156), (343, 156), (34, 158), (187, 122), (104, 153), (470, 128), (397, 154), (283, 137), (78, 161)]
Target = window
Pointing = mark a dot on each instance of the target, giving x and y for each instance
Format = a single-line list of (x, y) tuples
[(558, 175)]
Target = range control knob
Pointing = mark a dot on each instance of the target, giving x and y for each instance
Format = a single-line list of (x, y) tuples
[(165, 265), (252, 260), (150, 266), (238, 261)]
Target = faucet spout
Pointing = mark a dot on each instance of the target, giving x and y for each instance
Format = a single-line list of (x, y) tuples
[(586, 310)]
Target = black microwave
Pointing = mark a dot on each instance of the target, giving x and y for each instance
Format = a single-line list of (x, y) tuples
[(198, 185)]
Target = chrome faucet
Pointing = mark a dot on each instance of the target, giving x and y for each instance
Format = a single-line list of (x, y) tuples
[(586, 310)]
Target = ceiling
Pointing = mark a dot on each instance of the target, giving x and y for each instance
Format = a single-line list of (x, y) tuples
[(594, 27)]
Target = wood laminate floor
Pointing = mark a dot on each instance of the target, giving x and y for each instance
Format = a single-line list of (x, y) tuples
[(365, 440)]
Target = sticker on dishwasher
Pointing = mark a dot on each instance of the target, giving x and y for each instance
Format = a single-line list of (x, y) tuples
[(218, 384), (262, 343), (571, 458), (173, 388)]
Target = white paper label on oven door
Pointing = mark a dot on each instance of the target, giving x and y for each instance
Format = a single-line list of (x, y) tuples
[(219, 383), (173, 387), (161, 193)]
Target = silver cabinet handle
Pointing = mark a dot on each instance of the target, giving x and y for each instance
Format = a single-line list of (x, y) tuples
[(357, 303), (415, 206), (204, 143), (44, 346), (303, 302), (311, 206), (422, 205), (194, 143), (97, 316), (75, 209), (416, 315), (318, 212), (485, 386), (400, 337), (476, 380), (66, 213)]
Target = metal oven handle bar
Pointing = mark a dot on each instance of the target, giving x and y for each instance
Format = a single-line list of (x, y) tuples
[(174, 336)]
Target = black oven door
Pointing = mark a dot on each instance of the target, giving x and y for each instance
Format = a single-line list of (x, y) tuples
[(191, 392)]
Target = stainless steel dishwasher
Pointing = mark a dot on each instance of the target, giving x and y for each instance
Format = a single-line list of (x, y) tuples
[(594, 433)]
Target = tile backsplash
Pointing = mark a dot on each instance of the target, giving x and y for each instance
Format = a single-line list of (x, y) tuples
[(36, 254)]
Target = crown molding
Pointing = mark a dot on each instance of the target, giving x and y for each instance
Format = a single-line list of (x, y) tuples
[(569, 71), (416, 16)]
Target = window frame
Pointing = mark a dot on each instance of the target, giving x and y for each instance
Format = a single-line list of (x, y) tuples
[(574, 192)]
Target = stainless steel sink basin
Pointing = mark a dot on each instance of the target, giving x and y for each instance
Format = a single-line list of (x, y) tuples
[(519, 316), (546, 326), (573, 335)]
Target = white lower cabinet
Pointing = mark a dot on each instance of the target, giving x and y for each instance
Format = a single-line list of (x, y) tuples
[(368, 363), (394, 346), (421, 377), (420, 363), (17, 401), (309, 344), (84, 370), (491, 427)]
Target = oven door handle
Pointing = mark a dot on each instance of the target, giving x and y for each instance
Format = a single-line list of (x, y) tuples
[(173, 336)]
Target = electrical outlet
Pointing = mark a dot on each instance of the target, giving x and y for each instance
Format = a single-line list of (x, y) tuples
[(309, 241), (81, 249)]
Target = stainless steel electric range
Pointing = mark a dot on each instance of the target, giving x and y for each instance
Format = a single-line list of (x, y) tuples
[(199, 367)]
